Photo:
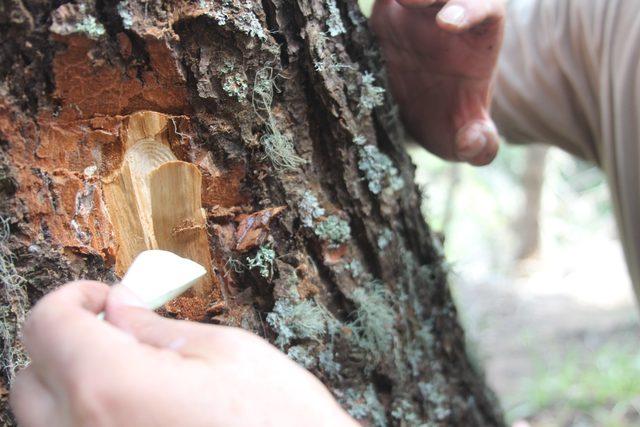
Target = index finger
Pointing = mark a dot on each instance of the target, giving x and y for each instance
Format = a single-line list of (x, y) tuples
[(63, 326)]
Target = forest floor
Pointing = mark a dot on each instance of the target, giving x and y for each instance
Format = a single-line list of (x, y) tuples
[(560, 340)]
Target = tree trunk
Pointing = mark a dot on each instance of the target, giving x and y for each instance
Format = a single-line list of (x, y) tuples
[(268, 126), (528, 222)]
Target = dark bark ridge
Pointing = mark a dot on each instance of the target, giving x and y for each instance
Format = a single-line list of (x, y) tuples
[(281, 104)]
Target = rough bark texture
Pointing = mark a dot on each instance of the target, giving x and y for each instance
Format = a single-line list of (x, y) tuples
[(316, 239)]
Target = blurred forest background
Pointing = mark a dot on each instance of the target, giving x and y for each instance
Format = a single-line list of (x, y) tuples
[(541, 284)]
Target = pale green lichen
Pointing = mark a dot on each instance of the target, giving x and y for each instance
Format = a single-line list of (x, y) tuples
[(247, 22), (235, 85), (415, 348), (302, 356), (354, 403), (297, 320), (359, 140), (227, 66), (425, 334), (415, 356), (309, 209), (328, 363), (334, 22), (330, 62), (125, 14), (355, 268), (73, 18), (13, 310), (91, 27), (379, 171), (431, 393), (403, 410), (384, 238), (278, 148), (360, 405), (221, 17), (374, 319), (377, 411), (333, 230), (234, 265), (371, 96), (220, 14), (263, 261)]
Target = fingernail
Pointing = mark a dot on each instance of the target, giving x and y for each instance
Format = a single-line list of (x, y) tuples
[(121, 295), (454, 15)]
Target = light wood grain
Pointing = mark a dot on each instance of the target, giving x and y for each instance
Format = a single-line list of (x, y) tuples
[(154, 200), (178, 218)]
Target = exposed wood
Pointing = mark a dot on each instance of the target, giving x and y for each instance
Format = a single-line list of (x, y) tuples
[(154, 200), (178, 218)]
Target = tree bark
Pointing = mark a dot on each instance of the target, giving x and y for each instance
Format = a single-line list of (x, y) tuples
[(312, 229)]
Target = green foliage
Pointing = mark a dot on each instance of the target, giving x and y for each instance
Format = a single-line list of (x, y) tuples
[(334, 230), (13, 309), (263, 260), (278, 148), (297, 320), (309, 209), (374, 319), (378, 169), (610, 377)]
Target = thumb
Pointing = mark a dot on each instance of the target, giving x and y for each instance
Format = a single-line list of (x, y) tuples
[(127, 312), (477, 142)]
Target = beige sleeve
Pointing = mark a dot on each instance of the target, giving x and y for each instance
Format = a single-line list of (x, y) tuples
[(569, 76)]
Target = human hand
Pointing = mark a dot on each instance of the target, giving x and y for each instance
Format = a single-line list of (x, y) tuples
[(441, 56), (139, 369)]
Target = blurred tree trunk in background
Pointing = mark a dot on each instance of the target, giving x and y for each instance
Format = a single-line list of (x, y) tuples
[(313, 224), (450, 202), (527, 225)]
